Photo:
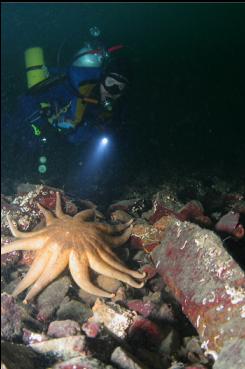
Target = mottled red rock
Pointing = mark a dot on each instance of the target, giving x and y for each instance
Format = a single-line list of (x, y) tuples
[(144, 332), (192, 211), (144, 308), (150, 271), (229, 223), (160, 211), (239, 232), (13, 317), (24, 211), (91, 329), (27, 257), (145, 236), (63, 328), (205, 280)]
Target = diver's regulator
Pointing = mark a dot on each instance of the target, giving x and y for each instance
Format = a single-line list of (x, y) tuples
[(107, 104)]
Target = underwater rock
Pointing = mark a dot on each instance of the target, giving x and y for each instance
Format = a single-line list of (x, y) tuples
[(205, 280), (51, 298), (11, 258), (145, 333), (33, 337), (131, 206), (86, 297), (121, 294), (239, 207), (235, 202), (171, 343), (167, 197), (145, 236), (25, 188), (161, 211), (192, 351), (149, 270), (27, 257), (13, 317), (19, 356), (82, 362), (193, 211), (107, 283), (7, 208), (229, 223), (24, 211), (125, 360), (196, 366), (120, 216), (91, 329), (74, 310), (177, 365), (153, 359), (63, 328), (62, 348), (114, 317), (144, 308), (232, 355), (164, 313)]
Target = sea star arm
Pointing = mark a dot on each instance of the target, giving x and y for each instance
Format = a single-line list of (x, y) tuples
[(58, 208), (15, 232), (49, 217), (114, 228), (79, 269), (100, 266), (34, 272), (55, 266), (108, 258), (85, 215), (118, 240), (32, 243)]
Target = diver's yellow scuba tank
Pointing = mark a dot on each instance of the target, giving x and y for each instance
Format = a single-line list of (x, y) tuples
[(36, 70)]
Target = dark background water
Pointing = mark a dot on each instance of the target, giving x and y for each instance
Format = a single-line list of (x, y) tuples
[(187, 100)]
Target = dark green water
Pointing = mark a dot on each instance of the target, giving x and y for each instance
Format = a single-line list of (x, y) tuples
[(187, 99)]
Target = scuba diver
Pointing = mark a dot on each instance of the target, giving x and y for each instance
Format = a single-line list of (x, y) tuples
[(67, 107)]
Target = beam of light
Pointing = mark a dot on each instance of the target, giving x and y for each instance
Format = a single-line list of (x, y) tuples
[(95, 162), (104, 141)]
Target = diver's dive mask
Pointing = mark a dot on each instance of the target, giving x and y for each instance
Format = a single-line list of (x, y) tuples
[(115, 84)]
